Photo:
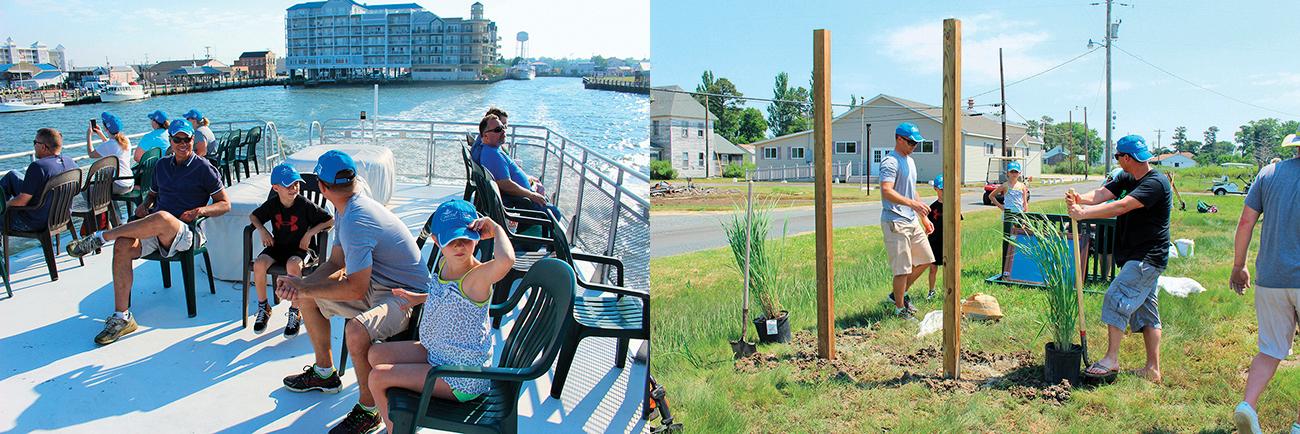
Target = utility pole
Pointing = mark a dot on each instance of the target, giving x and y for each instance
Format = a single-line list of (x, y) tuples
[(1070, 146), (1087, 146), (1158, 131), (707, 133), (1002, 83), (207, 51), (1110, 110)]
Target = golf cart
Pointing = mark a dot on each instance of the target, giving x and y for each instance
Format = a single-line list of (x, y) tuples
[(996, 176), (1223, 185)]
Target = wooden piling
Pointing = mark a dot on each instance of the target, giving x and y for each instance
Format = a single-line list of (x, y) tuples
[(952, 173), (821, 96)]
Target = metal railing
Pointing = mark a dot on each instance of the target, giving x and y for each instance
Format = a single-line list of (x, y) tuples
[(603, 199)]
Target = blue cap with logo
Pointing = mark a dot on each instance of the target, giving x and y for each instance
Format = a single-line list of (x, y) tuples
[(158, 116), (284, 175), (193, 114), (111, 122), (451, 222), (180, 127), (909, 131), (1013, 166), (1135, 146), (335, 167), (938, 182)]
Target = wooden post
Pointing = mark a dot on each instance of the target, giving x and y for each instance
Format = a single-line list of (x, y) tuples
[(952, 173), (821, 97)]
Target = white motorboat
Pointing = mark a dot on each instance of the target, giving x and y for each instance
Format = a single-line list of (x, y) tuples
[(523, 71), (22, 106), (119, 92)]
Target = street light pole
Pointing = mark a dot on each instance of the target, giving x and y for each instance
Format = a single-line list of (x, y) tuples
[(1110, 111)]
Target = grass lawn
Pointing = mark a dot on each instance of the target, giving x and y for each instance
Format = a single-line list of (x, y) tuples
[(886, 378), (727, 194)]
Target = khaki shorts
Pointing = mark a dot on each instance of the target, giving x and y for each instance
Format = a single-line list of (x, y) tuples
[(1278, 311), (182, 242), (380, 312), (906, 245)]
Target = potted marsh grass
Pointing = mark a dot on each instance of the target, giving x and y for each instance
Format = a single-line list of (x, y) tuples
[(1049, 248), (747, 231)]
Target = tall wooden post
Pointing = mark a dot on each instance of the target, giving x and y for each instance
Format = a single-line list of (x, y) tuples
[(822, 195), (952, 173)]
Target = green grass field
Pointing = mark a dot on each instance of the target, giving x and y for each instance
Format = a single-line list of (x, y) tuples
[(727, 194), (886, 379)]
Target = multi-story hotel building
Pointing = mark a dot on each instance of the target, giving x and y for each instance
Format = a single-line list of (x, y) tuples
[(37, 53), (336, 39)]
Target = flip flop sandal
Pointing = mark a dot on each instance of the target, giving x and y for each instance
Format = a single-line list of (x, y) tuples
[(1097, 365)]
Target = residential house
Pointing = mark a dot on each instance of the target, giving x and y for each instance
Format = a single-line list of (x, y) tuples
[(1055, 155), (680, 133), (174, 71), (257, 64), (1179, 159), (29, 74), (863, 135)]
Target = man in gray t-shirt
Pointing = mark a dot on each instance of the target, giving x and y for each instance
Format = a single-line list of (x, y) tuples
[(1274, 195), (902, 217), (373, 253)]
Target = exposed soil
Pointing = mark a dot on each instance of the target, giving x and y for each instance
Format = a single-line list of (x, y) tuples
[(859, 362)]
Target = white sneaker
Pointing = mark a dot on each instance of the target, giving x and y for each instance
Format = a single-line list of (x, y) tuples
[(1247, 421)]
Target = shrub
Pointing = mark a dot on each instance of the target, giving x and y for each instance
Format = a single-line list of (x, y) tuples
[(737, 170), (660, 169)]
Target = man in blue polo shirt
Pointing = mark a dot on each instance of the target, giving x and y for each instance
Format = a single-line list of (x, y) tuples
[(25, 189), (182, 185)]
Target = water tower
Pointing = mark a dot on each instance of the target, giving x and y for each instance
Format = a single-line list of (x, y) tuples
[(522, 38)]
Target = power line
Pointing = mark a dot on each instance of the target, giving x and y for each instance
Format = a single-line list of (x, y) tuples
[(771, 100), (1140, 59), (1085, 53)]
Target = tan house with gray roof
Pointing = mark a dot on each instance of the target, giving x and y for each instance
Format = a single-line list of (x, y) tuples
[(864, 134)]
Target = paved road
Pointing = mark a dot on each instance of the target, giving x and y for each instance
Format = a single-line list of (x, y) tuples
[(672, 234)]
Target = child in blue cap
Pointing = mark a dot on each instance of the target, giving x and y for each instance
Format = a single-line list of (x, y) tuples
[(296, 222), (1014, 194), (117, 146), (936, 238), (453, 327)]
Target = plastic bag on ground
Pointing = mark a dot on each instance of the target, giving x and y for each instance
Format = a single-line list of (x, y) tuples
[(933, 322), (1179, 286)]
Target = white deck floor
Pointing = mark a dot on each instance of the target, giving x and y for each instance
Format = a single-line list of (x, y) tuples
[(206, 374)]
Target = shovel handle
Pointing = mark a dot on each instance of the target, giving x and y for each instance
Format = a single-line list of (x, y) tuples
[(1078, 282)]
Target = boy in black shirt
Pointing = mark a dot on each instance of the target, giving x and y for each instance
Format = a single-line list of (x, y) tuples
[(936, 237), (296, 221)]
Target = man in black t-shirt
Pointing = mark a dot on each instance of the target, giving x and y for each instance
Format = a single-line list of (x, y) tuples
[(1141, 250), (295, 222)]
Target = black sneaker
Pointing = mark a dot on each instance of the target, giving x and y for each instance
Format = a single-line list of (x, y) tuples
[(308, 381), (295, 321), (84, 246), (358, 421), (115, 328), (263, 314)]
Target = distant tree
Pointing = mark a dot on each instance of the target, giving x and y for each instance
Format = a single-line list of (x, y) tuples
[(752, 126), (1180, 139), (600, 61), (790, 112), (1033, 128), (1259, 138), (724, 102), (1211, 136)]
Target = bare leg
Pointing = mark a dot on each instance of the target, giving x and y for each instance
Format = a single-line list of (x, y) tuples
[(1111, 361), (917, 271), (1151, 340), (358, 345), (124, 251), (160, 225), (294, 268), (900, 289), (397, 364), (259, 275), (933, 271), (318, 329), (1262, 369)]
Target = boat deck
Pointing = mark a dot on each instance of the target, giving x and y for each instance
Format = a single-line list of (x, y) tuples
[(206, 374)]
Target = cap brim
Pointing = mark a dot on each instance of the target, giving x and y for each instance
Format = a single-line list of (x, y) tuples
[(446, 237)]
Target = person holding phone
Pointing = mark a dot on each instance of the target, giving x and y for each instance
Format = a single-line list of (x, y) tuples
[(116, 144)]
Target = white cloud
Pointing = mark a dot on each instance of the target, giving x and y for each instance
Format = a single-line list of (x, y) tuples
[(920, 47)]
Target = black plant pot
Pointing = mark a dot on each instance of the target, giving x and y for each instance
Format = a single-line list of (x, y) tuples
[(1062, 365), (780, 335)]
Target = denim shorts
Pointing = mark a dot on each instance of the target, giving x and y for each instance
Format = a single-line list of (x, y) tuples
[(1131, 301)]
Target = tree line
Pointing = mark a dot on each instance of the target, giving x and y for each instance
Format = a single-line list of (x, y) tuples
[(790, 113), (1256, 142)]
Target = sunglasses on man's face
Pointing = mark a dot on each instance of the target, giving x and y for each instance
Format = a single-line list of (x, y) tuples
[(1121, 154), (181, 139), (38, 142), (910, 142), (495, 130)]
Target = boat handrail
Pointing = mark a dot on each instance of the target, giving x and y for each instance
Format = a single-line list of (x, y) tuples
[(270, 139), (604, 215)]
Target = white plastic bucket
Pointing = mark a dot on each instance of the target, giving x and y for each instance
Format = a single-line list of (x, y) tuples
[(1186, 248)]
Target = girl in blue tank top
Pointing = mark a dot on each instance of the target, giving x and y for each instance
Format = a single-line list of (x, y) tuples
[(1014, 193), (453, 326)]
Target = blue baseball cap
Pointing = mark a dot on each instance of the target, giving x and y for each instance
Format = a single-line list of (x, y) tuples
[(1291, 140), (909, 131), (284, 175), (1013, 166), (451, 222), (111, 122), (1135, 146), (335, 167), (938, 182), (158, 116), (193, 114), (180, 127)]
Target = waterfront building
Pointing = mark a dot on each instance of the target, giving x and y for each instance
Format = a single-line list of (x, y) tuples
[(257, 64), (338, 39), (96, 77), (29, 75), (870, 128), (186, 71), (11, 53), (680, 134)]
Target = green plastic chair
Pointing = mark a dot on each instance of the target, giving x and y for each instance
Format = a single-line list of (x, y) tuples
[(142, 173), (248, 151), (528, 353), (186, 259)]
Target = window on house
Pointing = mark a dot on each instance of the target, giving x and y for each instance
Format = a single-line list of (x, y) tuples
[(686, 132), (770, 153), (796, 153), (699, 133), (846, 147), (654, 128), (877, 155), (701, 159), (925, 147), (686, 159), (989, 149)]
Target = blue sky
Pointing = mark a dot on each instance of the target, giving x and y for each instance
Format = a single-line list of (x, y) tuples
[(1245, 51), (125, 31)]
